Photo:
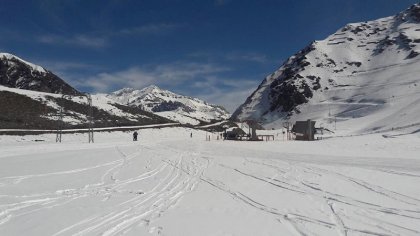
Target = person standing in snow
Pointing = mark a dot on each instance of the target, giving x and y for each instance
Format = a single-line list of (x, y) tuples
[(135, 134), (191, 135)]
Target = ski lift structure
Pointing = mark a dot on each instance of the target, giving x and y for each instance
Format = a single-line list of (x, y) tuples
[(60, 123), (287, 127), (252, 130)]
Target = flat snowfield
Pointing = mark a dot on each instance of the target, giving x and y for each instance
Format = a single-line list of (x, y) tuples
[(170, 184)]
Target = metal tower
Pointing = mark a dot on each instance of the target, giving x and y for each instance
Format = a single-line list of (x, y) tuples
[(60, 123), (90, 117), (59, 126)]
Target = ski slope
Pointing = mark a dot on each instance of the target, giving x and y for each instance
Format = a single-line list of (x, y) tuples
[(171, 184)]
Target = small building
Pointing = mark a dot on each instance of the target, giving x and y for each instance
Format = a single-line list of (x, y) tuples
[(304, 130), (235, 134)]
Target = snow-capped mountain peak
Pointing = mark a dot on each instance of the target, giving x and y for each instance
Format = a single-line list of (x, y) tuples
[(170, 105), (123, 91), (18, 73), (132, 96), (411, 14), (10, 57), (152, 89)]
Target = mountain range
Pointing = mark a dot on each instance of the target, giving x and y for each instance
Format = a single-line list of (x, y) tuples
[(31, 97)]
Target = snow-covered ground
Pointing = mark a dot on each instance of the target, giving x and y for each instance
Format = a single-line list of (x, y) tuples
[(171, 184)]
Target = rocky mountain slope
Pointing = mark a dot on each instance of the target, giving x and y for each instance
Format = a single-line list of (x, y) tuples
[(183, 109), (18, 73), (364, 77)]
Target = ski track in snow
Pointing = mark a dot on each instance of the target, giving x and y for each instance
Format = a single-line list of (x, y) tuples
[(150, 204), (331, 200), (140, 184)]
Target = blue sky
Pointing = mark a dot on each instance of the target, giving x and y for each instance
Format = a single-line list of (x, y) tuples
[(217, 50)]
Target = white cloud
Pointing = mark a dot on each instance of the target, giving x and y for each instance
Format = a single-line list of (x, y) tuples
[(229, 93), (230, 100), (89, 41), (101, 40), (139, 77), (132, 77), (232, 56), (155, 28), (76, 40), (247, 56), (66, 65)]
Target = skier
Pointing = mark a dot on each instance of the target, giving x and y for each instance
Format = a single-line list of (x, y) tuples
[(135, 136), (191, 135)]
